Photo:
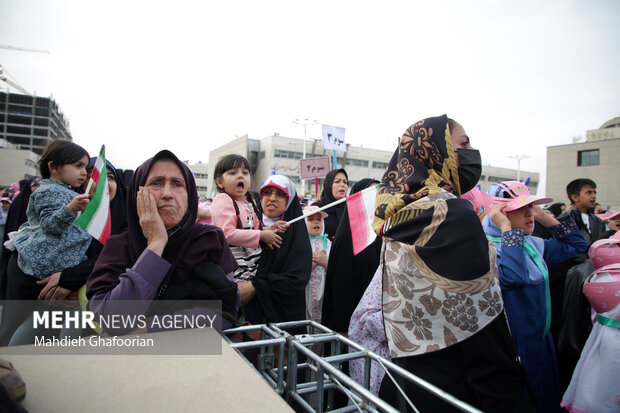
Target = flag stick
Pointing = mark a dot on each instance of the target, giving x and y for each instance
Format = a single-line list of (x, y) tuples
[(90, 184), (340, 201)]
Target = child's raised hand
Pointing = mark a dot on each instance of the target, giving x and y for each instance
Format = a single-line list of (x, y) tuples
[(548, 220), (79, 203), (499, 218), (270, 238), (279, 226)]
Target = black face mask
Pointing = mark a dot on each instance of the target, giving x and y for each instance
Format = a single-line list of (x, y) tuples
[(470, 169)]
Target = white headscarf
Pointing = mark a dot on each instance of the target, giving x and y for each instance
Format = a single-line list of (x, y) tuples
[(284, 184)]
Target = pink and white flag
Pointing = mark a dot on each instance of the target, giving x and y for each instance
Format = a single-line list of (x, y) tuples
[(96, 217), (361, 207)]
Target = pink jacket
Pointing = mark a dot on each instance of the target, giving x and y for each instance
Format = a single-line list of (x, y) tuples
[(224, 216)]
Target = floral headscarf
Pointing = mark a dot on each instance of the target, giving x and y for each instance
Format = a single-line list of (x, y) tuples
[(422, 165), (439, 275)]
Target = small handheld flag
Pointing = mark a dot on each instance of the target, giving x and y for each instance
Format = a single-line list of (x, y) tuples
[(96, 217), (361, 207)]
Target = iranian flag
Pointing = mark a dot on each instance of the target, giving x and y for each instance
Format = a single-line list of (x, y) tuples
[(96, 217), (361, 207)]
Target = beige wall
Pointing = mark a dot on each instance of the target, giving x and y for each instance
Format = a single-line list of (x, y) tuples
[(290, 166), (314, 148), (609, 130), (16, 164), (562, 168), (201, 174), (602, 134)]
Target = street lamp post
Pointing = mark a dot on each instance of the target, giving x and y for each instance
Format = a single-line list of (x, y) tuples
[(518, 158), (305, 123)]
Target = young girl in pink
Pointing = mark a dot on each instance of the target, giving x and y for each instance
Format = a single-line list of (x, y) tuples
[(235, 212)]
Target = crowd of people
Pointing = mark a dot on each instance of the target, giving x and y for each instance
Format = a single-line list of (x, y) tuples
[(501, 303)]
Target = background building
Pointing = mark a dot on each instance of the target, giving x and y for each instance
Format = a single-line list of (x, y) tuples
[(492, 174), (596, 158), (31, 122), (16, 164), (27, 125), (201, 174), (282, 155)]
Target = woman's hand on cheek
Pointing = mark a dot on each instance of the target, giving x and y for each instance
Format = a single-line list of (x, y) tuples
[(151, 223)]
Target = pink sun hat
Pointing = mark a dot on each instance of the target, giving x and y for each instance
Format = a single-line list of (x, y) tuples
[(518, 195), (311, 208), (481, 202), (608, 215)]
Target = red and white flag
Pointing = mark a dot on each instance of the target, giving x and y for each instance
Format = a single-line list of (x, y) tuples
[(361, 207), (96, 217)]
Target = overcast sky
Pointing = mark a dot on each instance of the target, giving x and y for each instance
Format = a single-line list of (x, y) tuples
[(188, 76)]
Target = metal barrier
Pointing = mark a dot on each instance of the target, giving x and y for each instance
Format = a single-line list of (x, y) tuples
[(323, 376)]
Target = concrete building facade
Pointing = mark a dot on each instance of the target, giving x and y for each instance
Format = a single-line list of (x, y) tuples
[(31, 122), (201, 175), (27, 125), (493, 174), (16, 164), (596, 159), (282, 155)]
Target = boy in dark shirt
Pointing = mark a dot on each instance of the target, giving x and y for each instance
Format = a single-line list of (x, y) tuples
[(582, 193), (571, 325)]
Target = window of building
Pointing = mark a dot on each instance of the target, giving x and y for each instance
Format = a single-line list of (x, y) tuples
[(31, 164), (357, 162), (39, 132), (379, 165), (16, 129), (201, 176), (588, 158), (41, 122), (497, 179), (41, 112), (21, 99), (295, 179), (22, 120), (201, 188), (278, 153)]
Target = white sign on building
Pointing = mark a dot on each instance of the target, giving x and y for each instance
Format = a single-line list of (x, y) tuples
[(333, 138)]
